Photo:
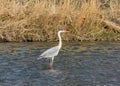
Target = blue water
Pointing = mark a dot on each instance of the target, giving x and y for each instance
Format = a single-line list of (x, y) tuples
[(78, 64)]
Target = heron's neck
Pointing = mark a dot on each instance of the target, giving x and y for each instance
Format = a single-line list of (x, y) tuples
[(60, 40)]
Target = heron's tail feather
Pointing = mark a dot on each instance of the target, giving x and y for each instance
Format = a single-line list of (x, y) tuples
[(40, 57)]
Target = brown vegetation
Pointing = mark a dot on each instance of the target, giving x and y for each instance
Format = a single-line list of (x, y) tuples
[(39, 20)]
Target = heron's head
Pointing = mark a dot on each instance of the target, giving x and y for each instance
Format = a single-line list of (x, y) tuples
[(63, 31)]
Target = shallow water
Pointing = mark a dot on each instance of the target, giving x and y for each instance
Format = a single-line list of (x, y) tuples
[(78, 64)]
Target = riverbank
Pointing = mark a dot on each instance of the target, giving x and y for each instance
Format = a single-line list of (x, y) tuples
[(39, 20)]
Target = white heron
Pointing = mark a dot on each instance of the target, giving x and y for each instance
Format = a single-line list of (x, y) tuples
[(52, 52)]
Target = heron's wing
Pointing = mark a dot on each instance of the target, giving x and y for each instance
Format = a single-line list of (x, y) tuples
[(50, 52)]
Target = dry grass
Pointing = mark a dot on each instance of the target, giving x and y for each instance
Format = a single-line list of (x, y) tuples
[(39, 20)]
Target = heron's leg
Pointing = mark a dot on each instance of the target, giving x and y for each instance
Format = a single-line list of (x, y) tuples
[(51, 62)]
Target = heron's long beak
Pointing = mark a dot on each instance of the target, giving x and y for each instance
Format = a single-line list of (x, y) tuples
[(67, 31)]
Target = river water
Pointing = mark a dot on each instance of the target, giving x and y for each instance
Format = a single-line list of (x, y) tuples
[(78, 64)]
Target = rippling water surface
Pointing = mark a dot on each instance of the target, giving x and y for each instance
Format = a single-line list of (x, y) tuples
[(78, 64)]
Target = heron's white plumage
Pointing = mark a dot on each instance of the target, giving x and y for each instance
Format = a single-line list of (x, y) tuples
[(50, 52)]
